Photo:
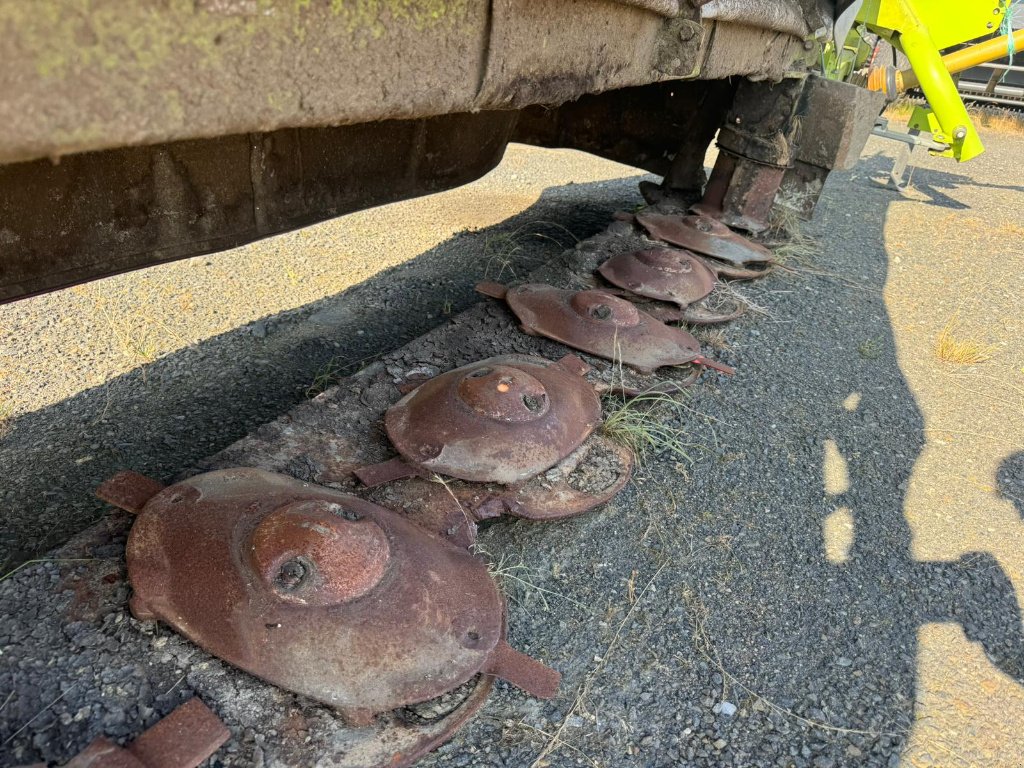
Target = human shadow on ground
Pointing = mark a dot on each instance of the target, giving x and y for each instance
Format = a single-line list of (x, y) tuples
[(756, 608), (933, 185), (171, 413), (1010, 480), (837, 641)]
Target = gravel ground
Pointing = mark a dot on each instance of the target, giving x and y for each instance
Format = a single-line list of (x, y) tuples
[(165, 366), (832, 578)]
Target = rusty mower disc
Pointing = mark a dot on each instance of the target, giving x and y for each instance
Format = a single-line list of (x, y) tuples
[(500, 420), (604, 325), (588, 477), (666, 274), (591, 475), (707, 236), (318, 592)]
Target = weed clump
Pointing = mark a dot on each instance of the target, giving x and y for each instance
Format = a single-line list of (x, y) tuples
[(643, 425), (960, 350)]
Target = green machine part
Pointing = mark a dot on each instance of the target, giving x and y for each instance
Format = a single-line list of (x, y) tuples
[(839, 61), (921, 29)]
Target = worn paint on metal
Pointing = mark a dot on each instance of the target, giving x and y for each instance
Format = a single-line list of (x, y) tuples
[(674, 276), (666, 274), (740, 192), (319, 592), (601, 324), (184, 739), (499, 420), (707, 236)]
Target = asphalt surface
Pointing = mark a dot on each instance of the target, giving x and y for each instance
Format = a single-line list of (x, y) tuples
[(831, 578)]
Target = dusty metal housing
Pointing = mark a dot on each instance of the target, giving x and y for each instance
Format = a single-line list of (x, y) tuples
[(740, 192), (601, 324), (213, 123), (319, 592), (501, 420), (709, 237)]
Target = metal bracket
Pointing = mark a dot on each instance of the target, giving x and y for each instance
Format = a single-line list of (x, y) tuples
[(183, 739), (912, 138)]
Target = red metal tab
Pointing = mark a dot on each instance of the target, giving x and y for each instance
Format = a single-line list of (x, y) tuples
[(129, 490), (183, 739), (526, 673), (103, 753), (494, 290), (385, 472), (574, 364)]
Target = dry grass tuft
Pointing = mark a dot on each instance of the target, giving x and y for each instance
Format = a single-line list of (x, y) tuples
[(785, 236), (501, 249), (871, 349), (6, 412), (960, 350), (519, 582), (800, 251), (714, 338), (1010, 229), (326, 376), (900, 110), (647, 425), (994, 119), (999, 120), (796, 252), (784, 223), (728, 296), (641, 424)]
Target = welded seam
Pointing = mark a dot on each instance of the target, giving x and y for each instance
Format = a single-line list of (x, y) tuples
[(485, 59), (709, 46), (256, 182)]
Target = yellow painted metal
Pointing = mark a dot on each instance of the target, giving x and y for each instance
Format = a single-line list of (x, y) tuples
[(965, 58), (949, 22), (920, 29), (923, 119)]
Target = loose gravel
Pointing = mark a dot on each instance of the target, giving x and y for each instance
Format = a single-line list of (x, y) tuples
[(165, 366), (704, 617)]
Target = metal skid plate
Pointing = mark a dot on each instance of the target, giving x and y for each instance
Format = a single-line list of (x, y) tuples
[(707, 236), (665, 274), (501, 420), (319, 592), (604, 325)]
